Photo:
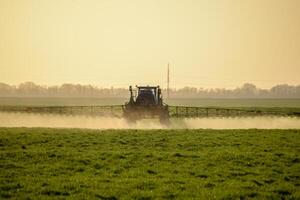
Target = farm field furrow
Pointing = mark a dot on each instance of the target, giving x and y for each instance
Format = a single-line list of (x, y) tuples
[(149, 164)]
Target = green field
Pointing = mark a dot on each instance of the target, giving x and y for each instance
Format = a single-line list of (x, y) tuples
[(11, 101), (154, 164), (83, 106), (291, 103)]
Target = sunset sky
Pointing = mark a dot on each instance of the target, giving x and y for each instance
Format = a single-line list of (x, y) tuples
[(211, 43)]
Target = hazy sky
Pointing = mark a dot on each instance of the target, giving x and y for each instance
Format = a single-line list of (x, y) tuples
[(209, 43)]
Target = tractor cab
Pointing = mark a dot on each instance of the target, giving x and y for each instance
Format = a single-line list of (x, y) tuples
[(146, 102), (146, 96)]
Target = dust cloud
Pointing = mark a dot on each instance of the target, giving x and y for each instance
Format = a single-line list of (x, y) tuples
[(262, 122), (72, 121), (68, 121)]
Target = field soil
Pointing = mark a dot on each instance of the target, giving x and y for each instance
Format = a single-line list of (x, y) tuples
[(46, 163)]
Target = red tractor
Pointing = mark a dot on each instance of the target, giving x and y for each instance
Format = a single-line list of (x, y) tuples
[(147, 102)]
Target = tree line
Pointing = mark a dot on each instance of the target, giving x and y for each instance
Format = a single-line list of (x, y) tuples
[(248, 90)]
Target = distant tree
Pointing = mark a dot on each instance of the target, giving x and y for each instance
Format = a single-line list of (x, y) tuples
[(283, 90), (248, 90), (30, 89), (297, 88), (6, 90)]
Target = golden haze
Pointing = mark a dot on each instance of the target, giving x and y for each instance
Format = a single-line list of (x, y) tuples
[(212, 43)]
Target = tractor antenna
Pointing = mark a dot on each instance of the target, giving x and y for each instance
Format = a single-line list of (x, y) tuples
[(168, 81)]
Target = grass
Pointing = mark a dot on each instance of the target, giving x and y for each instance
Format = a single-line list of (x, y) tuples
[(240, 103), (29, 101), (246, 107), (155, 164)]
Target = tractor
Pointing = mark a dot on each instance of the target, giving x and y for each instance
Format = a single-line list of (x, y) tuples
[(146, 102)]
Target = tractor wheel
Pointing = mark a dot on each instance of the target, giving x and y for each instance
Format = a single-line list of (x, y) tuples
[(164, 118), (131, 119)]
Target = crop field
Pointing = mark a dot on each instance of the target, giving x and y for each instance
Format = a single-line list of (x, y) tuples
[(35, 101), (283, 103), (177, 107), (149, 164)]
